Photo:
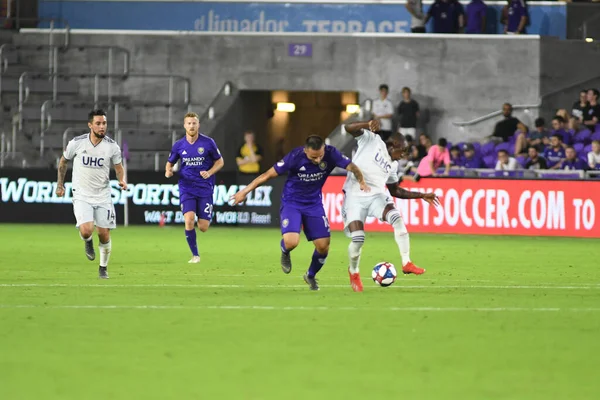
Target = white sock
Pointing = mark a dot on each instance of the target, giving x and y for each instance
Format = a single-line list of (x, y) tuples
[(354, 249), (104, 253), (82, 238), (400, 234)]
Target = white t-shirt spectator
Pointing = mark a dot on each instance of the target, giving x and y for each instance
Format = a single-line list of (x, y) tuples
[(593, 160), (383, 107), (512, 165), (417, 6)]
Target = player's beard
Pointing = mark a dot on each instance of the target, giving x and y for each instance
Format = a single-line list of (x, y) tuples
[(99, 135), (192, 133)]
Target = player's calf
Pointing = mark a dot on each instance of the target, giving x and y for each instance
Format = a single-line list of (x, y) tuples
[(87, 238)]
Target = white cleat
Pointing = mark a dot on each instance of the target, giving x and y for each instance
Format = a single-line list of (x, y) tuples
[(194, 260)]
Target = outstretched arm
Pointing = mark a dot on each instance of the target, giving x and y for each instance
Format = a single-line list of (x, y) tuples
[(60, 181), (356, 128), (240, 196), (397, 191), (359, 177)]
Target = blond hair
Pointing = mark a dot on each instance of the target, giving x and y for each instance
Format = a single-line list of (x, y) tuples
[(191, 115)]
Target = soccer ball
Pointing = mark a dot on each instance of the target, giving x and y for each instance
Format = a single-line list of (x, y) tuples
[(384, 274)]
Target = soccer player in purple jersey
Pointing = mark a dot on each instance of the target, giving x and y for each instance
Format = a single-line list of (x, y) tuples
[(200, 161), (307, 168)]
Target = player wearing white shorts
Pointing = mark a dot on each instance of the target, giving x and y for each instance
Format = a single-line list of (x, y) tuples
[(378, 162), (92, 155)]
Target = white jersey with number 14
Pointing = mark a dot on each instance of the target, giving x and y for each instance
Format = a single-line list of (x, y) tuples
[(374, 161)]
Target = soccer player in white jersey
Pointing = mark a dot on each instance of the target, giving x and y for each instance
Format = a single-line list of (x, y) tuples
[(92, 155), (378, 163)]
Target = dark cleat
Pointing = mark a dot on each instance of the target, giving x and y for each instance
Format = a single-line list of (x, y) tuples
[(286, 263), (102, 273), (89, 250), (312, 282)]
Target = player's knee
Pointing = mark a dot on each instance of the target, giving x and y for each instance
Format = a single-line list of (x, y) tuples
[(104, 237), (85, 231), (291, 243), (322, 248), (203, 225)]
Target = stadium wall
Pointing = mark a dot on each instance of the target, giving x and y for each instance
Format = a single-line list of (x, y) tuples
[(332, 16), (454, 77), (468, 206)]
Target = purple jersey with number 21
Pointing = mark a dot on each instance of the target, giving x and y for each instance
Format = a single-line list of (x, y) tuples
[(302, 197)]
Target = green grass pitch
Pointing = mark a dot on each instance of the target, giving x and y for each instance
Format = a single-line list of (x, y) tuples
[(493, 318)]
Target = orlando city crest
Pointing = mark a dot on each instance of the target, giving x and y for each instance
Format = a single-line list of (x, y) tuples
[(285, 223), (200, 150), (323, 165)]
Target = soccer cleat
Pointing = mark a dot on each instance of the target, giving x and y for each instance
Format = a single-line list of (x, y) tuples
[(411, 268), (286, 263), (194, 260), (89, 250), (311, 282), (355, 281), (102, 273)]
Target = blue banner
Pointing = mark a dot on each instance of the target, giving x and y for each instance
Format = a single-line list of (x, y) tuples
[(271, 17)]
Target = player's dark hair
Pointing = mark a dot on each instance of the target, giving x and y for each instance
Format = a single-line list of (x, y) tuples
[(559, 119), (314, 142), (539, 122), (384, 86), (96, 113), (442, 142), (502, 151)]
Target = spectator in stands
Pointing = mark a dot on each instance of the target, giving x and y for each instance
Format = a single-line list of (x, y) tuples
[(575, 127), (592, 114), (580, 106), (415, 155), (518, 18), (505, 162), (456, 159), (434, 159), (594, 156), (558, 128), (535, 161), (383, 110), (537, 138), (249, 155), (470, 159), (554, 153), (448, 16), (417, 20), (424, 144), (475, 15), (571, 161), (408, 110), (507, 127)]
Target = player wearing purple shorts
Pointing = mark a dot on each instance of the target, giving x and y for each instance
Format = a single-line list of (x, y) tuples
[(307, 168), (200, 161)]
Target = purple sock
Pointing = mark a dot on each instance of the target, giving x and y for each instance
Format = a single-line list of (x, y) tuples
[(283, 249), (190, 236), (316, 264)]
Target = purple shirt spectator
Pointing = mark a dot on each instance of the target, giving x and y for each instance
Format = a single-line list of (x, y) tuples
[(578, 163), (445, 15), (554, 156), (516, 10), (476, 11), (473, 162), (566, 136)]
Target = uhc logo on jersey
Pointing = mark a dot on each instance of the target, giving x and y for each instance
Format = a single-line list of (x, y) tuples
[(90, 161), (382, 162)]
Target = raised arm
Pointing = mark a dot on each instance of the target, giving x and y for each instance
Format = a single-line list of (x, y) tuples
[(63, 164), (356, 128), (240, 196)]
